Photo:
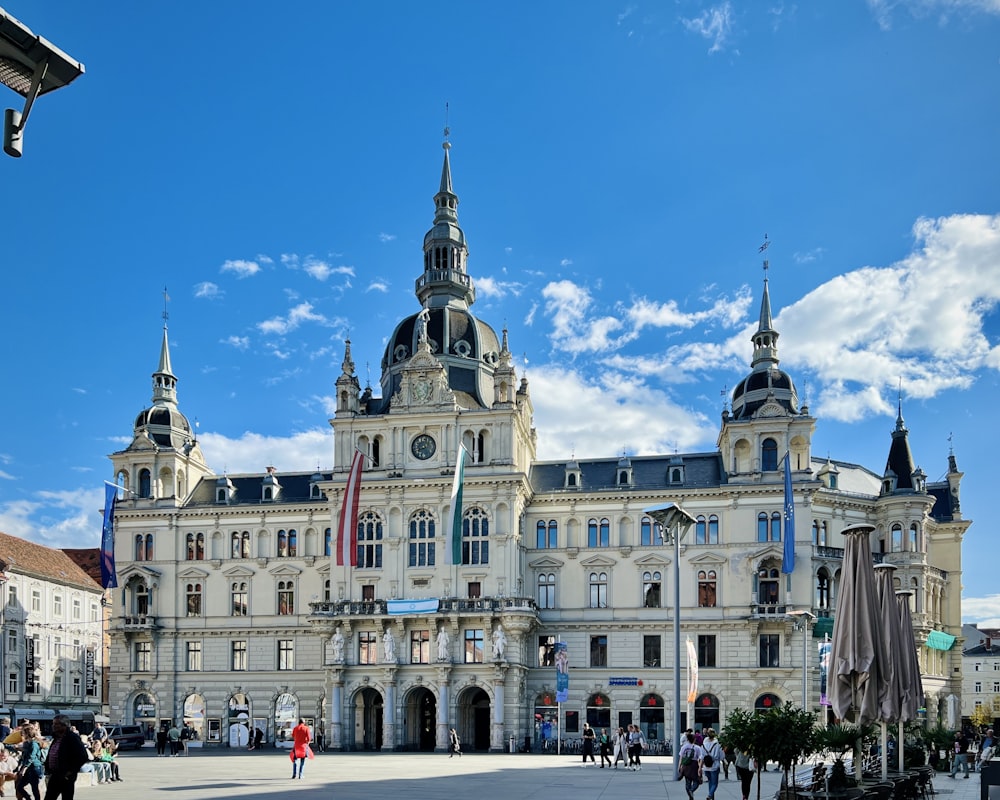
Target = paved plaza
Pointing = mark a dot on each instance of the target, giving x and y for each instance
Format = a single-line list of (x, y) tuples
[(415, 776)]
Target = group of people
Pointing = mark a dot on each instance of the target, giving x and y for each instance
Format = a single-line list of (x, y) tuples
[(177, 738), (58, 761), (624, 745), (701, 756), (961, 751)]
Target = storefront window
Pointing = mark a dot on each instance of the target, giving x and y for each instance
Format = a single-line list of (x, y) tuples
[(651, 717), (239, 720), (286, 717), (194, 719)]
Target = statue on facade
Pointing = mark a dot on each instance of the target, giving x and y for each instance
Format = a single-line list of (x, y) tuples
[(499, 643), (388, 647), (422, 319), (443, 640), (338, 647)]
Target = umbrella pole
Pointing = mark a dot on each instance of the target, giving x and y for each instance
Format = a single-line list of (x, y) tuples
[(885, 750), (900, 747)]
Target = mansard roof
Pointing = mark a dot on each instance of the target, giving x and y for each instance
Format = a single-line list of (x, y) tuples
[(295, 488), (648, 472)]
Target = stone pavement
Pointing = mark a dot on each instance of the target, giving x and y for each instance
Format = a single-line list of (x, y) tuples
[(224, 773)]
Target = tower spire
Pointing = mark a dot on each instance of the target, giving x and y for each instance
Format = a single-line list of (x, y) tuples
[(765, 340), (164, 380)]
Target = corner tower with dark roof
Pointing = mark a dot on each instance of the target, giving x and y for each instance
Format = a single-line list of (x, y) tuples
[(766, 420), (163, 462)]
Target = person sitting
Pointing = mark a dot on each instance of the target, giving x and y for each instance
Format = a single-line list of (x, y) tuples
[(107, 756), (8, 768)]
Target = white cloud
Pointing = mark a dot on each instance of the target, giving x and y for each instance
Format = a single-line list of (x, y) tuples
[(253, 452), (809, 256), (982, 611), (54, 519), (568, 305), (378, 285), (714, 24), (529, 318), (728, 312), (303, 312), (566, 262), (239, 342), (386, 237), (632, 415), (207, 290), (78, 390), (492, 288), (943, 9), (242, 269), (6, 476)]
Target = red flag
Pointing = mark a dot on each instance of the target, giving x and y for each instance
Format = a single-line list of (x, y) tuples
[(347, 532)]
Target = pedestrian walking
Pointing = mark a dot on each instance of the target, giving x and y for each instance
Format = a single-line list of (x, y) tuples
[(300, 747), (161, 740), (636, 744), (589, 738), (711, 762), (30, 768), (605, 745), (691, 756), (620, 741), (961, 758), (454, 744), (744, 771), (65, 757)]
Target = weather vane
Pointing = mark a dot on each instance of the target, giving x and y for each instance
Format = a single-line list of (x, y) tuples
[(447, 128), (166, 299), (763, 249)]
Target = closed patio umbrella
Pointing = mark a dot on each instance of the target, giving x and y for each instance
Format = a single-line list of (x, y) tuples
[(857, 660), (892, 641), (909, 669)]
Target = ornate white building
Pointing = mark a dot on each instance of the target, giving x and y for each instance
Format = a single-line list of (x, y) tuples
[(234, 613)]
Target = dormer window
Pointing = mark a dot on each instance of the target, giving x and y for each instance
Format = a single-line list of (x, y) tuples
[(769, 455), (623, 478), (574, 478), (315, 493)]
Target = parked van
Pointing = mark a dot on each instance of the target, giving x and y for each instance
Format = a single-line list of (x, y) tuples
[(127, 736)]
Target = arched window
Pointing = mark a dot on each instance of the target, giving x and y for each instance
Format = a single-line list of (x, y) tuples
[(815, 531), (897, 538), (650, 533), (707, 588), (376, 453), (713, 529), (546, 537), (240, 541), (475, 537), (775, 527), (623, 478), (913, 544), (141, 599), (327, 541), (481, 448), (193, 593), (823, 588), (293, 543), (598, 534), (422, 540), (547, 590), (149, 548), (286, 597), (766, 702), (140, 547), (598, 590), (652, 583), (762, 528), (700, 529), (195, 547), (369, 541), (145, 484), (767, 586), (768, 455)]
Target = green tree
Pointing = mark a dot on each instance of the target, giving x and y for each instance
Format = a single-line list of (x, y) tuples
[(785, 734)]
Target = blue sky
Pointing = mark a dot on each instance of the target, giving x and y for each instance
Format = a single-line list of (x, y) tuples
[(617, 164)]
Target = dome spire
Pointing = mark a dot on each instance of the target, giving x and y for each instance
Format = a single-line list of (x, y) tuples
[(445, 280), (765, 340), (164, 380)]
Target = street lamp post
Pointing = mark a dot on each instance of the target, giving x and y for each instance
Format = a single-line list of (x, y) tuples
[(674, 521), (30, 65), (802, 621)]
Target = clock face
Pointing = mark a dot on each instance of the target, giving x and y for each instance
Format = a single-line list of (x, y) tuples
[(423, 447)]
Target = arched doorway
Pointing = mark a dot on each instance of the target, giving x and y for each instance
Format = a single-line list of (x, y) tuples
[(144, 713), (367, 720), (194, 718), (473, 708), (286, 717), (651, 717), (599, 711), (239, 720), (766, 702), (706, 712), (421, 720)]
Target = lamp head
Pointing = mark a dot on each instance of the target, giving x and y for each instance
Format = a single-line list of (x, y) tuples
[(670, 516)]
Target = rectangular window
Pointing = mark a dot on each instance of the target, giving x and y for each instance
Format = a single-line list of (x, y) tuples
[(13, 683), (286, 597), (420, 647), (572, 722), (36, 600), (77, 608), (651, 655), (474, 646), (598, 590), (77, 686), (57, 684), (598, 651), (769, 650), (706, 651), (978, 686), (651, 585), (57, 605), (143, 656), (11, 642), (194, 656), (193, 594), (475, 590), (12, 595), (368, 592), (546, 651), (286, 654), (240, 655), (367, 647), (996, 686), (93, 612)]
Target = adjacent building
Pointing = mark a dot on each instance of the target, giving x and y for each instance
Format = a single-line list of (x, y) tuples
[(234, 611)]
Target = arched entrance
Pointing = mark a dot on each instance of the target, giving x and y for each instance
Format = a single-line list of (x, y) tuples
[(651, 717), (473, 708), (144, 713), (706, 712), (194, 718), (766, 702), (367, 720), (421, 720), (239, 720), (599, 711)]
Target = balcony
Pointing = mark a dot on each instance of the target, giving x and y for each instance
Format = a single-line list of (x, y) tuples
[(138, 622), (768, 610), (447, 605)]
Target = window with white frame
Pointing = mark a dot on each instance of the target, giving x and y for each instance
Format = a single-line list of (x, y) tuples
[(239, 605), (286, 597), (286, 654), (547, 590), (143, 656), (239, 653), (192, 593), (598, 589), (193, 656), (77, 609), (36, 600)]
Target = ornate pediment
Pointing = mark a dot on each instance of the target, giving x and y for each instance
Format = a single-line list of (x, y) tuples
[(598, 561), (652, 560), (238, 571), (192, 573), (546, 562), (423, 385), (707, 558), (285, 570), (771, 551)]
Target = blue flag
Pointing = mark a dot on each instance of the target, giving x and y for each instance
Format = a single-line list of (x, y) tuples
[(109, 580), (788, 556)]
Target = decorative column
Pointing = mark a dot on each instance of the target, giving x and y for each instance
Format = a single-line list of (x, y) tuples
[(389, 711), (336, 706), (497, 743), (443, 708)]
